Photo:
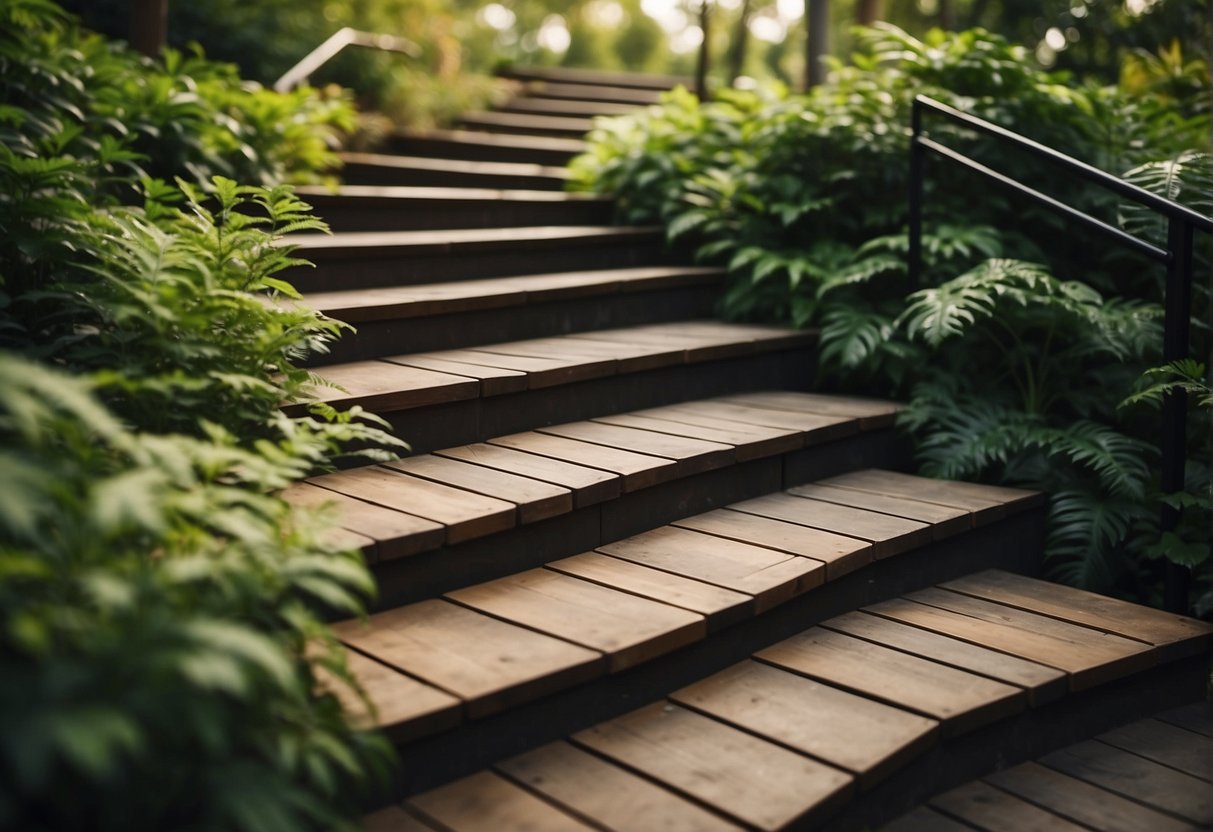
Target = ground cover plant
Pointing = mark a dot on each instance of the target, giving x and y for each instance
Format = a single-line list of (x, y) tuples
[(1025, 346), (163, 658)]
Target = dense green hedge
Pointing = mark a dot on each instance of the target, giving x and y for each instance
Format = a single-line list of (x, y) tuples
[(1025, 335), (163, 663)]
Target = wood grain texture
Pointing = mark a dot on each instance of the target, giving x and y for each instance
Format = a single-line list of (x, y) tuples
[(588, 485), (1197, 718), (693, 456), (627, 628), (816, 427), (945, 521), (489, 664), (871, 413), (888, 535), (925, 819), (487, 802), (403, 707), (987, 502), (994, 810), (1167, 744), (772, 577), (961, 701), (395, 534), (606, 794), (865, 737), (636, 470), (735, 773), (393, 819), (381, 386), (536, 500), (748, 441), (494, 381)]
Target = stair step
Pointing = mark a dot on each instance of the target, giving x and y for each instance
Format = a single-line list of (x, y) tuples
[(440, 316), (410, 208), (527, 125), (527, 105), (587, 92), (449, 397), (595, 77), (373, 259), (420, 171), (1150, 774), (490, 147), (835, 731)]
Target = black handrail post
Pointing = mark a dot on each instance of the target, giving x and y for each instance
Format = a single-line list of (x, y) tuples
[(1176, 326), (914, 254)]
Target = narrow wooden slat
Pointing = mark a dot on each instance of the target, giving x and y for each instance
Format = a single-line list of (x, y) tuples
[(1082, 802), (637, 470), (465, 515), (770, 576), (628, 357), (693, 456), (489, 664), (588, 485), (719, 606), (816, 426), (1088, 656), (393, 819), (487, 802), (872, 413), (945, 521), (735, 773), (990, 809), (606, 794), (888, 535), (1197, 718), (403, 707), (1166, 744), (1180, 636), (840, 554), (395, 533), (748, 441), (536, 500), (541, 372), (925, 819), (961, 701), (867, 738), (1136, 778), (693, 347), (494, 381), (987, 502), (383, 386), (627, 628), (1044, 684)]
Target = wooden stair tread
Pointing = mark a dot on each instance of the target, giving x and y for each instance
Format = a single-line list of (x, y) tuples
[(565, 107), (497, 140), (587, 485), (518, 169), (692, 456), (413, 707), (822, 717), (595, 77), (403, 243), (635, 470), (506, 122), (394, 533), (873, 411), (985, 501), (395, 195), (590, 92), (536, 500), (488, 801)]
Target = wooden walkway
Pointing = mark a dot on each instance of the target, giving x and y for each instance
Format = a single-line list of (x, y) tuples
[(636, 575)]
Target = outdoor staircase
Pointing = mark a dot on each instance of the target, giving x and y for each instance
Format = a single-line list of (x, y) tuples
[(636, 575)]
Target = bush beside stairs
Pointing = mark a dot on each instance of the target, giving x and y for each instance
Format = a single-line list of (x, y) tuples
[(637, 575)]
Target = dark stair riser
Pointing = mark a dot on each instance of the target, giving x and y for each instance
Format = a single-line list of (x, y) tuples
[(520, 150), (1011, 543), (369, 174), (379, 338), (596, 78), (340, 269), (408, 214), (526, 130)]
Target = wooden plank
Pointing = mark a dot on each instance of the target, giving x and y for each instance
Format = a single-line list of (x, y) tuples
[(693, 348), (627, 628), (772, 577), (1082, 802), (888, 535), (1136, 778), (393, 819), (867, 738), (395, 533), (945, 521), (1166, 744), (989, 809), (871, 413), (960, 700), (1180, 635), (925, 819), (465, 515), (636, 470), (719, 606), (629, 357), (693, 456), (402, 706), (588, 485), (1044, 684), (1090, 657), (383, 386), (987, 502), (488, 802), (735, 773), (748, 441), (536, 500), (840, 554), (494, 381), (1197, 718), (817, 427), (541, 372), (609, 796), (489, 664)]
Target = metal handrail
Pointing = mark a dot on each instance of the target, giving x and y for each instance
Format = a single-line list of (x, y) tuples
[(325, 52), (1182, 224)]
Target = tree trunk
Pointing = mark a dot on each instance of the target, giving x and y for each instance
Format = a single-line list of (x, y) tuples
[(701, 68), (817, 18), (149, 26), (741, 40), (869, 11), (947, 15)]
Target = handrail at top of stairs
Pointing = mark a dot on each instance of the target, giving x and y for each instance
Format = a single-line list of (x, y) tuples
[(1182, 223), (339, 40)]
